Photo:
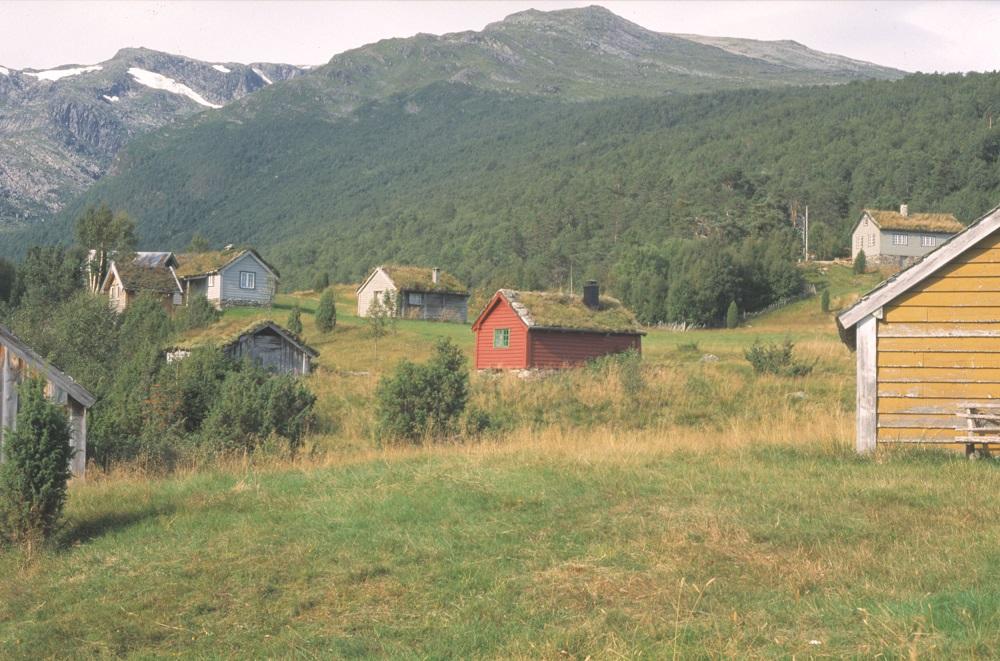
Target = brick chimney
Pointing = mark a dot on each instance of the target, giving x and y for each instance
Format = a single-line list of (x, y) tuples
[(435, 275), (592, 295), (904, 210)]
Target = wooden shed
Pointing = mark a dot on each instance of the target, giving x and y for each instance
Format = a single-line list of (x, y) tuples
[(415, 293), (540, 330), (927, 343), (264, 343), (17, 362)]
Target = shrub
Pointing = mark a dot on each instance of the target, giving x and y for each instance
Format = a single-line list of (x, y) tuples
[(776, 359), (732, 315), (860, 263), (295, 320), (36, 468), (824, 301), (252, 406), (326, 312), (198, 313), (417, 401)]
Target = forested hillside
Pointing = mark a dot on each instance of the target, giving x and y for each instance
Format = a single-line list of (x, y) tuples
[(514, 190)]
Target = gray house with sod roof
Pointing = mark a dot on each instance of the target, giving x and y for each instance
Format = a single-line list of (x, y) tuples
[(18, 362), (416, 293), (228, 278), (891, 238)]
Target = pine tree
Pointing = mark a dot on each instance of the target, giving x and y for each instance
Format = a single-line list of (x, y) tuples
[(326, 313), (295, 320), (860, 263), (36, 468), (732, 315)]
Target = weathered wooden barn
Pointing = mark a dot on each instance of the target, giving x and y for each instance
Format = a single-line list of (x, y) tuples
[(927, 342), (416, 293), (228, 278), (540, 330), (263, 343), (148, 273), (17, 362)]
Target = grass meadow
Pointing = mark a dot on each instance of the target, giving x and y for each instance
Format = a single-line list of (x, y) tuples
[(694, 509)]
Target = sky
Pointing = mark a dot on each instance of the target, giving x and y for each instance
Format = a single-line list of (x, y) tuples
[(913, 36)]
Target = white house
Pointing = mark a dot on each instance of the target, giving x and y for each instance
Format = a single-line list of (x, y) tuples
[(415, 293), (891, 238)]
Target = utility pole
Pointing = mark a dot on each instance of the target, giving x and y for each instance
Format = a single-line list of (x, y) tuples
[(806, 235)]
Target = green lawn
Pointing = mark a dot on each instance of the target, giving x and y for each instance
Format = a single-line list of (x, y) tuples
[(571, 549)]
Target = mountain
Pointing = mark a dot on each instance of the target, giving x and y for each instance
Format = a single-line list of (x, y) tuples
[(61, 128), (517, 190)]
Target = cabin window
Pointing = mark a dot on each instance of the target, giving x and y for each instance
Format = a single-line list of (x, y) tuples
[(248, 280), (415, 299), (501, 338), (871, 241), (900, 240), (928, 241)]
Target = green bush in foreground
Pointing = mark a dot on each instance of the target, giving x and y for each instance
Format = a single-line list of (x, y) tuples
[(776, 359), (36, 468), (417, 401), (732, 315)]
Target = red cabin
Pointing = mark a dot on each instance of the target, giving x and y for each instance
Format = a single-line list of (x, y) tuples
[(538, 330)]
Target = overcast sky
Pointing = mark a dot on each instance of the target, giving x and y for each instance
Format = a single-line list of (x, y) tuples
[(914, 36)]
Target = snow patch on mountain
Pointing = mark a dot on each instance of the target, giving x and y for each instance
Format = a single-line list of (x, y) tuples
[(57, 74), (112, 99), (223, 69), (262, 75), (161, 82), (4, 71)]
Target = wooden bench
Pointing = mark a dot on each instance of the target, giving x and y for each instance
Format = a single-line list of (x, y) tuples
[(982, 427)]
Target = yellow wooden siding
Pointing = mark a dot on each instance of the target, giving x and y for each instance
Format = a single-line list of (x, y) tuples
[(939, 350)]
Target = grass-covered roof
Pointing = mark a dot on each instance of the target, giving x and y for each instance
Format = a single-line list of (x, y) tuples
[(419, 279), (916, 222), (203, 263), (567, 312), (158, 279), (223, 340)]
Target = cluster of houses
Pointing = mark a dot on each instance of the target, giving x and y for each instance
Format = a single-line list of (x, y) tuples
[(927, 339)]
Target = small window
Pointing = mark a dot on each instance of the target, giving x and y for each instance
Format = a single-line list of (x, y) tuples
[(928, 241), (415, 299), (501, 338), (871, 241), (900, 240), (248, 280)]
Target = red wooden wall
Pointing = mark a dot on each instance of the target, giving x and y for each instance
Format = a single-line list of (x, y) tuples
[(551, 349), (501, 315)]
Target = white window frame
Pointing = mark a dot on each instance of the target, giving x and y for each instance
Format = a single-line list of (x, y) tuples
[(248, 280), (900, 240), (414, 298), (871, 240), (928, 242), (499, 333)]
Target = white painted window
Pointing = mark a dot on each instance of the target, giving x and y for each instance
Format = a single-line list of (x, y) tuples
[(415, 299), (928, 241), (900, 240), (871, 240), (248, 280)]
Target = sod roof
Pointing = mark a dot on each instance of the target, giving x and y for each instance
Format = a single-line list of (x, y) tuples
[(224, 341), (158, 279), (419, 279), (203, 263), (944, 223), (546, 310)]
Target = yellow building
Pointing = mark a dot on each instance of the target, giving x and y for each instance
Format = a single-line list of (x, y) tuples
[(928, 346)]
